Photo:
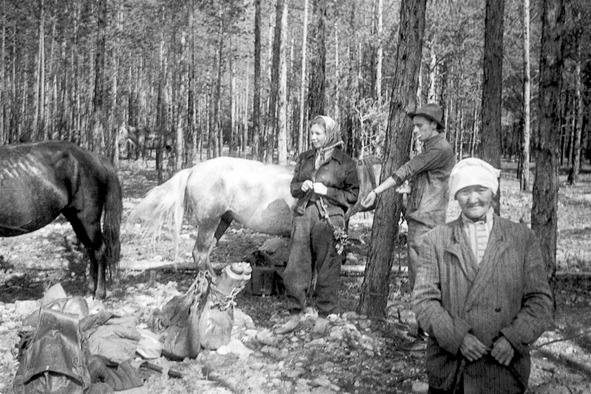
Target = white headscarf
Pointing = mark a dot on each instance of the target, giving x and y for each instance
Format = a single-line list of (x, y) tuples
[(473, 172)]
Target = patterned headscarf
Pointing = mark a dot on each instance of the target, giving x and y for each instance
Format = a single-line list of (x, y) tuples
[(333, 139)]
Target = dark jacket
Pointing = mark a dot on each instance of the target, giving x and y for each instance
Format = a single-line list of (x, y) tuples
[(338, 174), (429, 172), (506, 294)]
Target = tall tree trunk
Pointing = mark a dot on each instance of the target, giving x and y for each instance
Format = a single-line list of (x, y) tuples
[(191, 97), (380, 52), (3, 87), (233, 100), (317, 88), (38, 123), (98, 121), (256, 103), (245, 120), (282, 96), (544, 217), (113, 145), (375, 288), (217, 116), (302, 127), (179, 148), (524, 182), (337, 78), (492, 88), (271, 123), (573, 175)]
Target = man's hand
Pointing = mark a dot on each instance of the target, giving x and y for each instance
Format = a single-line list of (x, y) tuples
[(369, 199), (472, 348), (319, 188), (503, 351), (307, 185)]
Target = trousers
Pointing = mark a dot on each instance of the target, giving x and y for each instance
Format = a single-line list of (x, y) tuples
[(312, 251), (416, 232)]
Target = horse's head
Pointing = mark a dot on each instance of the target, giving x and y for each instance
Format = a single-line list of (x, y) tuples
[(368, 172)]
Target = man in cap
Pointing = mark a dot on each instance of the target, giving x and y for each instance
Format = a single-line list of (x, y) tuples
[(481, 293), (429, 175)]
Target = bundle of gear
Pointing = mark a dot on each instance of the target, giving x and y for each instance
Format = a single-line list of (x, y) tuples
[(203, 317), (65, 349)]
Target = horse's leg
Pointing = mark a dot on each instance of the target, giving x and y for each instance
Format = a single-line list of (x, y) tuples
[(205, 243), (226, 221), (87, 226)]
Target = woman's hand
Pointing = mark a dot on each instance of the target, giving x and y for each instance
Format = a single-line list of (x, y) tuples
[(369, 200), (472, 348), (319, 188), (503, 351), (307, 185)]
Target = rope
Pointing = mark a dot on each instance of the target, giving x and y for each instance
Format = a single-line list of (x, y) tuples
[(339, 234)]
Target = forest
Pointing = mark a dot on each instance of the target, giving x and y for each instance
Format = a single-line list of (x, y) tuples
[(249, 75)]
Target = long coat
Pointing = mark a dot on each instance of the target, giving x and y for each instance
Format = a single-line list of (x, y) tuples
[(506, 294)]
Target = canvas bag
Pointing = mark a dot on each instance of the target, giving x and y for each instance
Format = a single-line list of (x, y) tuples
[(178, 320)]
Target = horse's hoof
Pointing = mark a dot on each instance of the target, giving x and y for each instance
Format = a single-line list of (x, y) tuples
[(100, 295)]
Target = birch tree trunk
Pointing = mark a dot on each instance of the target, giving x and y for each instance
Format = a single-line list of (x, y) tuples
[(38, 122), (374, 291), (303, 118), (524, 182), (256, 102), (218, 91), (282, 103), (573, 175), (544, 216), (380, 52)]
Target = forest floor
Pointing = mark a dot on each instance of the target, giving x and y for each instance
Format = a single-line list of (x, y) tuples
[(356, 355)]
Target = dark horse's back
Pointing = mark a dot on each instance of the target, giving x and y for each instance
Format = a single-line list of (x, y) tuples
[(41, 180)]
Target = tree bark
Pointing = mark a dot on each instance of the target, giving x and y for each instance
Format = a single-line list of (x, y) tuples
[(544, 217), (98, 128), (317, 88), (271, 123), (380, 52), (303, 118), (282, 102), (492, 87), (38, 123), (573, 175), (374, 291), (524, 182), (256, 103)]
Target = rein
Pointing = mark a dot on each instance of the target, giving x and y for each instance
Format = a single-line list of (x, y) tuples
[(6, 227)]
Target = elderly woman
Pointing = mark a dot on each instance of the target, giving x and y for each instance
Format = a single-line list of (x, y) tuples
[(326, 186), (481, 292)]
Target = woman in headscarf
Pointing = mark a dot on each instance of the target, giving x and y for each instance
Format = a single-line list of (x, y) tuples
[(481, 292), (326, 185)]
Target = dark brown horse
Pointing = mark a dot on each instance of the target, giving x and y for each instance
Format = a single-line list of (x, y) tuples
[(219, 191), (40, 181)]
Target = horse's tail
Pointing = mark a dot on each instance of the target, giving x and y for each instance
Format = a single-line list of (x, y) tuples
[(163, 205), (112, 220)]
